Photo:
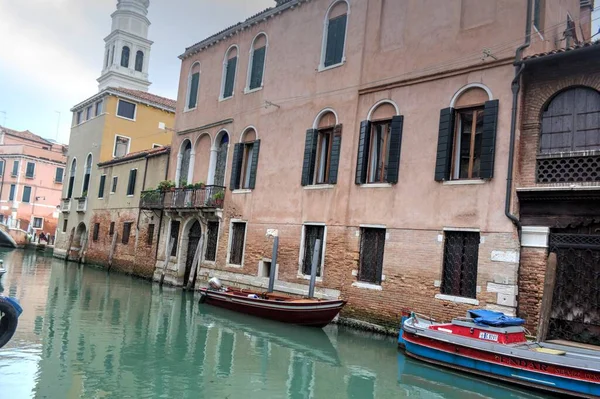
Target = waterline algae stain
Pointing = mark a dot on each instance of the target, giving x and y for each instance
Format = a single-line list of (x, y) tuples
[(86, 333)]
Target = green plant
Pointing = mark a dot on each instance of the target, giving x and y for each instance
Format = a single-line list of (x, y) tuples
[(198, 185), (218, 196), (84, 194), (166, 185)]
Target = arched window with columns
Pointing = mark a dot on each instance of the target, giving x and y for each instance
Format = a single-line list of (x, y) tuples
[(245, 160), (125, 57), (139, 61)]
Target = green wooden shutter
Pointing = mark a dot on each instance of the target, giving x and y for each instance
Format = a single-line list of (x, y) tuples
[(340, 37), (194, 90), (363, 152), (310, 151), (393, 166), (236, 166), (335, 154), (254, 164), (334, 48), (488, 139), (131, 183), (26, 194), (258, 62), (101, 187), (229, 77), (70, 189), (11, 195), (444, 147)]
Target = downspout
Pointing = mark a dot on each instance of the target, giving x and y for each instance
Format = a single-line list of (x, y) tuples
[(516, 86)]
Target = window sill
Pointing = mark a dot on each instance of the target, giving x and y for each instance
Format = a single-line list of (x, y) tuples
[(457, 299), (323, 68), (242, 191), (307, 277), (127, 119), (376, 185), (250, 91), (464, 182), (221, 99), (30, 177), (189, 109), (367, 286), (319, 187), (130, 196), (234, 266)]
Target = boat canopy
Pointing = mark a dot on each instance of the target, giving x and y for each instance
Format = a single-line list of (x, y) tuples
[(484, 317)]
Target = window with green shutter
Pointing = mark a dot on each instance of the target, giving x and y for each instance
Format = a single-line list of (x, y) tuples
[(245, 165), (26, 194), (11, 194), (258, 63), (193, 95), (230, 68), (335, 40), (58, 177), (131, 183), (30, 171), (15, 169), (101, 186)]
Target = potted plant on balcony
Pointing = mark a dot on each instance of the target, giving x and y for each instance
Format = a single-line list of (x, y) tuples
[(198, 186), (84, 194), (218, 199), (166, 185)]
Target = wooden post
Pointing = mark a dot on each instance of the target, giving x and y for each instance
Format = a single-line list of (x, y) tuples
[(273, 264), (313, 269), (113, 246), (548, 293), (169, 248), (195, 263)]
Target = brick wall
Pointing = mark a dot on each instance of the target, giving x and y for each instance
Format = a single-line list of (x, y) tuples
[(531, 285)]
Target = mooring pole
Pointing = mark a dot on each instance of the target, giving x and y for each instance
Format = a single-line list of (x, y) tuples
[(273, 264), (313, 269)]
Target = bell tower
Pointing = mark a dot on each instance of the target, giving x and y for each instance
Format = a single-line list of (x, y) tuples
[(127, 48)]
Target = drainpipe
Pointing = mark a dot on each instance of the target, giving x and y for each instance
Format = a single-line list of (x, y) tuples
[(516, 86)]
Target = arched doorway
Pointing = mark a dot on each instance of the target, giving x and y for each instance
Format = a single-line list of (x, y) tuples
[(193, 241), (222, 145), (80, 235)]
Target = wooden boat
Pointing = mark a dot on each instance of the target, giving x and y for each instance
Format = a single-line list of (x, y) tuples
[(302, 311), (494, 345)]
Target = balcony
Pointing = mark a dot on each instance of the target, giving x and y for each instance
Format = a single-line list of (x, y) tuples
[(568, 167), (65, 205), (184, 198), (81, 204)]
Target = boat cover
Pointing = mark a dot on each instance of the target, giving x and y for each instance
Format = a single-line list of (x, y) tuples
[(495, 319)]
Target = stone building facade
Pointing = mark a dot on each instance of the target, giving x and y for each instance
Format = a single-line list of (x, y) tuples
[(322, 127), (558, 192)]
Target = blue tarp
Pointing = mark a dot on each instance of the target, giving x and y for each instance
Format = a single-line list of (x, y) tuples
[(494, 319)]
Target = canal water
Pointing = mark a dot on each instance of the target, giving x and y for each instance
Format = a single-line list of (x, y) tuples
[(85, 333)]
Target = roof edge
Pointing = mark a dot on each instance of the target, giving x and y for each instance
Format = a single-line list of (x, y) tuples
[(149, 153), (117, 93)]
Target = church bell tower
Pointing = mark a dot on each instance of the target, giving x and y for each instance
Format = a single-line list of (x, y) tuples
[(127, 49)]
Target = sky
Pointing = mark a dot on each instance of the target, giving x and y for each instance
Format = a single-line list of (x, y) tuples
[(51, 52)]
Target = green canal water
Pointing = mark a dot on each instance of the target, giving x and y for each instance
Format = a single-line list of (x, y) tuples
[(85, 333)]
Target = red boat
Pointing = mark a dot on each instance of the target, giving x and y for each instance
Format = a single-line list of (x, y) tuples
[(302, 311)]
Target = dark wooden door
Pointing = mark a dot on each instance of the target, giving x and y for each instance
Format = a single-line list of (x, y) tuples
[(193, 240)]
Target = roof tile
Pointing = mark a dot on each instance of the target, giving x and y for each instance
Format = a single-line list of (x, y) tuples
[(145, 96), (563, 50)]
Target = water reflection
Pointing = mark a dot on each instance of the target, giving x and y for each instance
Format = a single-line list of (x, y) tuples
[(85, 333)]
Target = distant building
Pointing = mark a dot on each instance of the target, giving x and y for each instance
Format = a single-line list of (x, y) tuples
[(31, 180), (123, 118)]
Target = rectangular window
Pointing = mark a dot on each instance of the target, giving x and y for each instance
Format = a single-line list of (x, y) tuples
[(372, 245), (212, 238), (15, 169), (126, 232), (30, 171), (336, 35), (1, 167), (246, 164), (26, 194), (379, 152), (96, 231), (150, 235), (126, 109), (58, 177), (113, 188), (121, 147), (174, 236), (131, 183), (324, 144), (194, 90), (111, 229), (467, 143), (236, 243), (78, 117), (258, 63), (64, 226), (461, 251), (88, 113), (38, 223), (11, 194), (311, 235), (101, 186), (229, 77), (98, 108)]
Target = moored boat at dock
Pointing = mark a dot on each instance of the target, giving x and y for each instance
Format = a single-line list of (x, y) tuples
[(494, 345)]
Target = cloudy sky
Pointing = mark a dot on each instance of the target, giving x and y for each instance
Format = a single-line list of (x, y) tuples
[(51, 52)]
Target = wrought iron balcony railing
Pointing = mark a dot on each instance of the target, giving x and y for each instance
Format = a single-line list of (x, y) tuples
[(184, 198)]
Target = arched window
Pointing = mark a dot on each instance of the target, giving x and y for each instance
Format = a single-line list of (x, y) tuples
[(256, 66), (139, 61), (334, 34), (72, 172), (86, 176), (193, 86), (322, 149), (107, 57), (467, 135), (184, 163), (245, 160), (222, 146), (229, 69), (571, 122), (125, 57)]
